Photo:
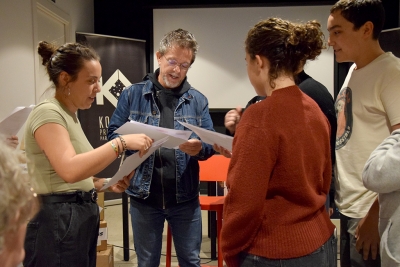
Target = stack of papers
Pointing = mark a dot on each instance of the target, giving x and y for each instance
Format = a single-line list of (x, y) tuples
[(211, 137), (132, 163), (163, 137), (176, 137), (13, 123)]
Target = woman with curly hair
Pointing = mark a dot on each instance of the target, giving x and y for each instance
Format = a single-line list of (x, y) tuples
[(280, 171)]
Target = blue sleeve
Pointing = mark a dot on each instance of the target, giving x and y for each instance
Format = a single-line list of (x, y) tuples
[(120, 115), (206, 123)]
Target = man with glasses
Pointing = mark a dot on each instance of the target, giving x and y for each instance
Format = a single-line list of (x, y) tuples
[(166, 185)]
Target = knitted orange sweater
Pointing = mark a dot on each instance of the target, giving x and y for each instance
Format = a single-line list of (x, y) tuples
[(278, 179)]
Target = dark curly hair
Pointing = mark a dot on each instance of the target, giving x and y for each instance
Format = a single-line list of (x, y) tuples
[(68, 57), (286, 45)]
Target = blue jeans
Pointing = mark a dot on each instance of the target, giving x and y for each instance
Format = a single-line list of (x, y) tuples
[(349, 256), (63, 235), (325, 256), (186, 228)]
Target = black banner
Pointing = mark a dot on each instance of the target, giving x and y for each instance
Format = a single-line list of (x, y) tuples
[(123, 62)]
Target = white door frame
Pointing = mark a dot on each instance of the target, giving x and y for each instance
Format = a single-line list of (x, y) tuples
[(52, 11)]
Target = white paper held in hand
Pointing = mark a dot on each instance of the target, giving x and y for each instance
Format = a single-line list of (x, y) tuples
[(211, 137), (13, 122), (176, 137), (132, 162)]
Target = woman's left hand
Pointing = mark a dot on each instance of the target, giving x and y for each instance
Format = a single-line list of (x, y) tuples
[(123, 184)]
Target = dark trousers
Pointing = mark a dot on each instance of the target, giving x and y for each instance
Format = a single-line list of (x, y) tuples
[(63, 235), (324, 256), (349, 256)]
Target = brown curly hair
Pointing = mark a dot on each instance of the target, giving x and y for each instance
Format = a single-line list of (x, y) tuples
[(285, 44), (68, 57)]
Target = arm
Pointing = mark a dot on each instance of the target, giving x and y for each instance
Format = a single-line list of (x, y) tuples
[(120, 115), (367, 232), (195, 147), (395, 127), (232, 118), (54, 140), (119, 187), (381, 172), (223, 151), (245, 202)]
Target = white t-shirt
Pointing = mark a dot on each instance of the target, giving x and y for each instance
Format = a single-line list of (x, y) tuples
[(366, 107)]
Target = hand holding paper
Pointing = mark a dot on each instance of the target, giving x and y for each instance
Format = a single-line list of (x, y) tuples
[(122, 184), (192, 147), (211, 137), (132, 163), (175, 137)]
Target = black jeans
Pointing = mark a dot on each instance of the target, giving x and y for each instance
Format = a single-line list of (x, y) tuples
[(63, 235), (349, 256)]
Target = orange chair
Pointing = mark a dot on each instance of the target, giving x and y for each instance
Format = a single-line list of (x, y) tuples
[(214, 169)]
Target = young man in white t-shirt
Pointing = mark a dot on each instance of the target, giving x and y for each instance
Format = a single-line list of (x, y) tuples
[(367, 110)]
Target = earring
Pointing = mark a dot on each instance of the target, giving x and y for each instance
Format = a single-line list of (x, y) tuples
[(69, 91)]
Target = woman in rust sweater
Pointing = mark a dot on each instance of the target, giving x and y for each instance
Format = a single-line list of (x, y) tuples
[(280, 170)]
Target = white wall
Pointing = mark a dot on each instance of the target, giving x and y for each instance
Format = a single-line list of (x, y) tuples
[(17, 77), (220, 69)]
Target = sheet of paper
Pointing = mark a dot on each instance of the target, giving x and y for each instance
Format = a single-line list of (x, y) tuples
[(211, 137), (13, 123), (132, 162), (176, 137)]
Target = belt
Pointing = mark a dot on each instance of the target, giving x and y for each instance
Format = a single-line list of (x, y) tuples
[(72, 197)]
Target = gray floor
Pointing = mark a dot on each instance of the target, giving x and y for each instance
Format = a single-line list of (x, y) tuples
[(113, 216)]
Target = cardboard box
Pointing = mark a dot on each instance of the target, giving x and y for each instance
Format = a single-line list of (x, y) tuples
[(100, 202), (105, 258), (103, 236)]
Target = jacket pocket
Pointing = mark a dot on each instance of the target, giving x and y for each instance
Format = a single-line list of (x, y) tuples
[(390, 246)]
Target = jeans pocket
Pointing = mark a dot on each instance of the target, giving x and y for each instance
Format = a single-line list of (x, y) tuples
[(30, 241), (319, 250), (389, 246), (65, 221)]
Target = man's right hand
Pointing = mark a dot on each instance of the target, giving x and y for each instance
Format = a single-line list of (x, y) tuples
[(232, 118)]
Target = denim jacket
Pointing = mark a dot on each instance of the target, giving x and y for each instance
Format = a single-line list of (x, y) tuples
[(137, 103)]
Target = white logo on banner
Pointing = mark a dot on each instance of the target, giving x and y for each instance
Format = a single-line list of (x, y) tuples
[(112, 88)]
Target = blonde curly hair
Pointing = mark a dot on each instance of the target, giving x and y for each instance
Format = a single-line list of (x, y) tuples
[(17, 202)]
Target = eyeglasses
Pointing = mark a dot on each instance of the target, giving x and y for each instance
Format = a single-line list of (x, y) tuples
[(174, 63)]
